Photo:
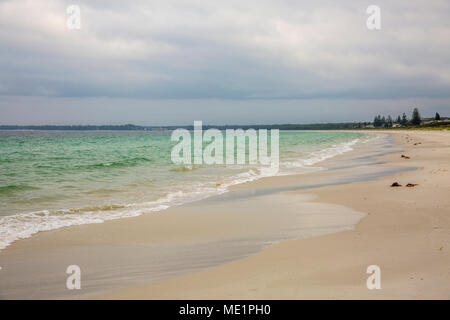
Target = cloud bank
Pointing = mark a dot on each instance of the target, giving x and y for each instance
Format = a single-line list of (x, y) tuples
[(259, 55)]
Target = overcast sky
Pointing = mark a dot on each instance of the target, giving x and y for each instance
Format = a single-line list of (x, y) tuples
[(224, 62)]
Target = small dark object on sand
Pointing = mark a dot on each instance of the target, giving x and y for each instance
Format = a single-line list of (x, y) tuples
[(417, 143), (406, 157), (396, 184), (410, 185)]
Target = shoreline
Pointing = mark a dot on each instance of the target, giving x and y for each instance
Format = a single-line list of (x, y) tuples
[(405, 232), (27, 223), (203, 229)]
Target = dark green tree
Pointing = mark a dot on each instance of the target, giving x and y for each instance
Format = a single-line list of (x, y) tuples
[(416, 119), (399, 120), (376, 121), (388, 122), (404, 119), (437, 117)]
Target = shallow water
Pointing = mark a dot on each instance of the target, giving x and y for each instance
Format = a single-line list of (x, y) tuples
[(50, 180)]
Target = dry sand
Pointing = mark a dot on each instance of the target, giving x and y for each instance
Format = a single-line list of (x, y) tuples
[(406, 233)]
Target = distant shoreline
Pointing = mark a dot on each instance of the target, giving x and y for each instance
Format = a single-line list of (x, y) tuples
[(130, 127)]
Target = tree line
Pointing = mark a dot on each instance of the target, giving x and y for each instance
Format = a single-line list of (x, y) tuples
[(387, 122)]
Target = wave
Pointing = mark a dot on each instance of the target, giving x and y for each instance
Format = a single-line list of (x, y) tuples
[(21, 226), (101, 191), (43, 198), (24, 225), (183, 169), (16, 188), (5, 160), (131, 162), (321, 155)]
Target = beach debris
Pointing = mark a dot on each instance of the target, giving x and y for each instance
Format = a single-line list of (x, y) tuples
[(406, 157), (396, 184), (417, 143), (410, 185), (441, 248)]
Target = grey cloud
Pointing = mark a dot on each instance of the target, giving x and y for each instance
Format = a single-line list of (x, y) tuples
[(233, 50)]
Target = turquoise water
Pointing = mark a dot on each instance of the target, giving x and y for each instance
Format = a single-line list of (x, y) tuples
[(53, 179)]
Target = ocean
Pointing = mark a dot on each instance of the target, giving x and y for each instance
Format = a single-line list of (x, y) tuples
[(54, 179)]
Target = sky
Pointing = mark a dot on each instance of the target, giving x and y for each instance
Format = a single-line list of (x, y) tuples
[(152, 62)]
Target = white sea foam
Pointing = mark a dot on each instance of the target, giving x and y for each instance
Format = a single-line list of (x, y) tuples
[(292, 166), (20, 226)]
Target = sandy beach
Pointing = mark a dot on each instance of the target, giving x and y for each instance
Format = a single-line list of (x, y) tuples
[(309, 236), (206, 150), (406, 232)]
